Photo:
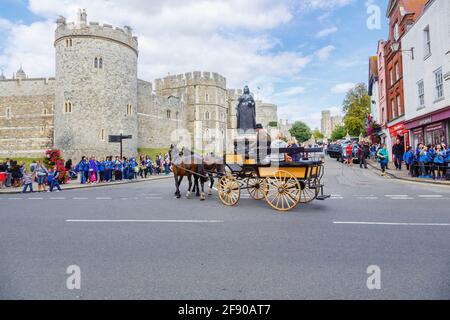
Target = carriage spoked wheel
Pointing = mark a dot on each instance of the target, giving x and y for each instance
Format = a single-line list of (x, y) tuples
[(256, 188), (229, 190), (307, 194), (282, 191)]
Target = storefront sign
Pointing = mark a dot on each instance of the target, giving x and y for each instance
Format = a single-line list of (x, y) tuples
[(417, 131), (397, 130), (434, 127)]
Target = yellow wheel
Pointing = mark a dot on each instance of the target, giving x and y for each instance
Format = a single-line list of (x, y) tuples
[(307, 194), (256, 188), (229, 191), (282, 191)]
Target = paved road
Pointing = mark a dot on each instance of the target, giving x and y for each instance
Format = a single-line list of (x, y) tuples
[(137, 241)]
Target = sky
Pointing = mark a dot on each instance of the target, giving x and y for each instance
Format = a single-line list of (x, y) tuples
[(302, 55)]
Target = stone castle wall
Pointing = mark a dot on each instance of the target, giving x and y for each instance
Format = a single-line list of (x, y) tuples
[(158, 117), (26, 117), (100, 96)]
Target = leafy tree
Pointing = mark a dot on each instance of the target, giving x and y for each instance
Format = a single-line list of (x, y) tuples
[(356, 107), (300, 131), (339, 133), (317, 134)]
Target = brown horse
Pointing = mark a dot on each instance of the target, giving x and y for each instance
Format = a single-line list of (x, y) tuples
[(188, 164)]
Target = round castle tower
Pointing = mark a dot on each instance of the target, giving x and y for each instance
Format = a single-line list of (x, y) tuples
[(96, 88)]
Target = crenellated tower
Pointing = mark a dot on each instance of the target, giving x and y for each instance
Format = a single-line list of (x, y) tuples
[(96, 87)]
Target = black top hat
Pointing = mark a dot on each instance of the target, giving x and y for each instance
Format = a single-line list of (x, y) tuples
[(259, 126)]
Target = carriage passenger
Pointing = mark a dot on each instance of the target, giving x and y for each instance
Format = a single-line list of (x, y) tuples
[(294, 154), (278, 143)]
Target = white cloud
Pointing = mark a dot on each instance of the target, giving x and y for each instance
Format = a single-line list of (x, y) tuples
[(325, 52), (292, 91), (177, 36), (324, 4), (342, 87), (326, 32)]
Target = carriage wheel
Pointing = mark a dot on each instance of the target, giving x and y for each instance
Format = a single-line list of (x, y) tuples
[(307, 194), (229, 190), (256, 188), (282, 191)]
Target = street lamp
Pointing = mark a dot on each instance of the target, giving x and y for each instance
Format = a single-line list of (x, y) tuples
[(395, 46)]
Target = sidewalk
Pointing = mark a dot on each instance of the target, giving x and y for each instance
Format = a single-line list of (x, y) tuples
[(403, 174), (76, 185)]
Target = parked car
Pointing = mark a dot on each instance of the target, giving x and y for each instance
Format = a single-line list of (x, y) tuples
[(334, 150)]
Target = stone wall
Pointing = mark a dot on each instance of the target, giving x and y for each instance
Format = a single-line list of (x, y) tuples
[(26, 129), (99, 96), (158, 118)]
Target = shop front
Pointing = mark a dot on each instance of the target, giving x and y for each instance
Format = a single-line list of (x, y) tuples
[(399, 131), (431, 129)]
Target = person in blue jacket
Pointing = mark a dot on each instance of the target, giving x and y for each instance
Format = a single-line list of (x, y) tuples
[(438, 161), (383, 158), (118, 168), (108, 169), (408, 158), (101, 169), (424, 160)]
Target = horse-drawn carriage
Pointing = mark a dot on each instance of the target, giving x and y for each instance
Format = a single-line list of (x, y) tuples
[(283, 185)]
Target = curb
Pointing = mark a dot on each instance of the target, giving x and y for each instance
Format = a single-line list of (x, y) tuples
[(393, 176), (89, 186)]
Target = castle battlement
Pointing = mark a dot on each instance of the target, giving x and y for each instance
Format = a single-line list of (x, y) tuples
[(27, 87), (82, 28), (235, 92), (191, 78)]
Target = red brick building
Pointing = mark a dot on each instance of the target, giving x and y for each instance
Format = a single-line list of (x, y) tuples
[(401, 15)]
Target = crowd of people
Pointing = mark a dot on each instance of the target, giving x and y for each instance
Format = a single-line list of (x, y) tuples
[(14, 174), (425, 161)]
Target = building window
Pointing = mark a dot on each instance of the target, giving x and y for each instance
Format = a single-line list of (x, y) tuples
[(169, 114), (391, 72), (67, 107), (392, 109), (427, 41), (8, 113), (98, 63), (399, 105), (129, 110), (382, 116), (397, 72), (42, 129), (44, 111), (177, 115), (421, 92), (207, 115), (207, 98), (69, 43), (382, 88), (102, 134), (439, 84), (207, 136)]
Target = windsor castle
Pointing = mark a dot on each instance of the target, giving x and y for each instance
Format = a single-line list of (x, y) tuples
[(96, 93)]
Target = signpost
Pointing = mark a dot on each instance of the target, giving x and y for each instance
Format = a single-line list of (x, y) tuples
[(119, 139)]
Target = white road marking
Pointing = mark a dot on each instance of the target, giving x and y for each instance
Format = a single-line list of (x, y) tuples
[(402, 198), (35, 198), (393, 223), (396, 195), (80, 198), (433, 196), (151, 221), (15, 198), (368, 198), (103, 198), (58, 198)]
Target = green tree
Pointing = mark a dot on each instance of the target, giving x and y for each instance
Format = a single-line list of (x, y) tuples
[(300, 131), (356, 107), (339, 133), (317, 134)]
